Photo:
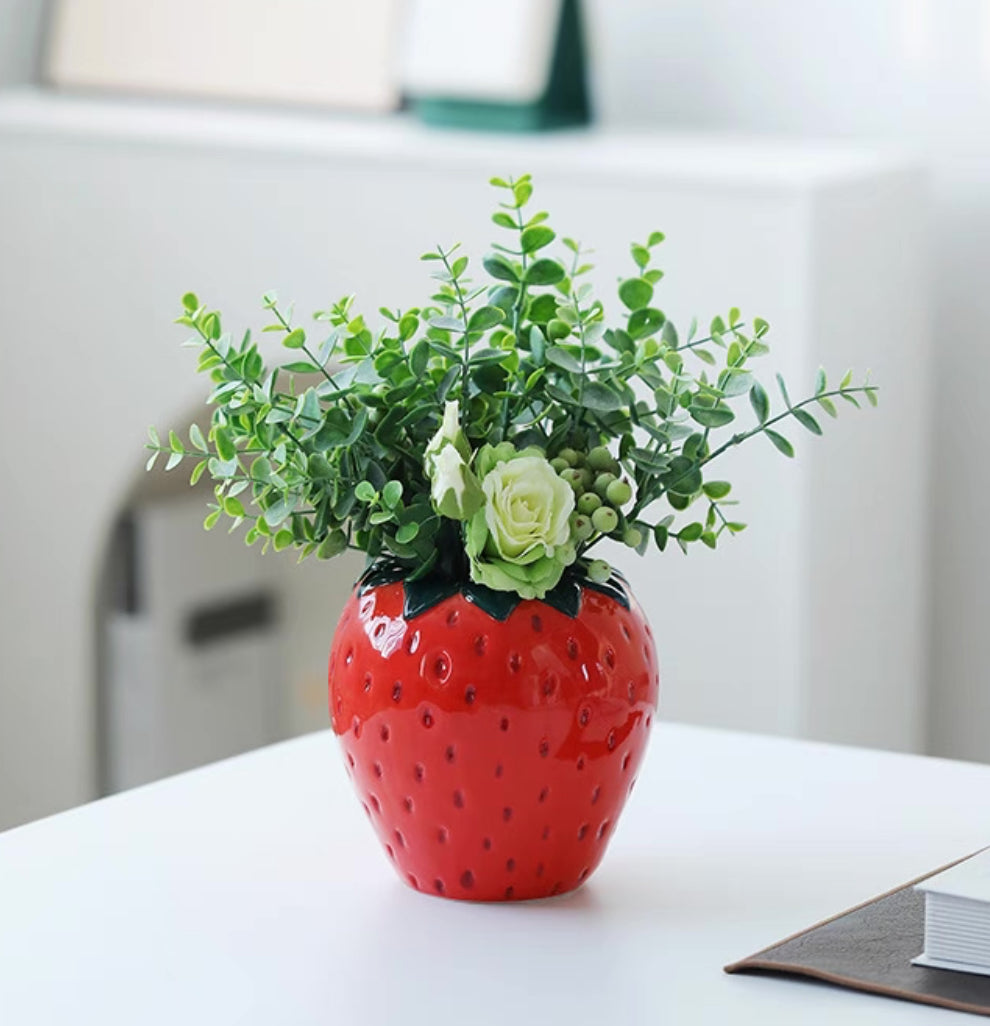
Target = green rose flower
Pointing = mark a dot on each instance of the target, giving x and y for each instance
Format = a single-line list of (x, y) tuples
[(521, 539)]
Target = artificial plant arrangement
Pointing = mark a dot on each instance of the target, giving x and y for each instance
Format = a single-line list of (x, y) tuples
[(479, 449)]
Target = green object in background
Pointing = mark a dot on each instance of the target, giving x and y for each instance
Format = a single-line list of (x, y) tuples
[(564, 102)]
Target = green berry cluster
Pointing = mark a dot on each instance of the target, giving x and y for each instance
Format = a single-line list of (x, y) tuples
[(601, 493)]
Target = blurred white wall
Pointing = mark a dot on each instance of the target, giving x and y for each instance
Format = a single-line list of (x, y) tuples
[(21, 25), (915, 71)]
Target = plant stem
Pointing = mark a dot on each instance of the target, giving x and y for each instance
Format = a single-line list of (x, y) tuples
[(466, 357)]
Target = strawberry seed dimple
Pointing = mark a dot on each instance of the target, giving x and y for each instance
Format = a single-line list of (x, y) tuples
[(503, 724), (467, 879), (438, 886), (397, 691), (582, 831), (507, 814), (573, 651), (458, 799), (407, 804), (470, 694), (625, 632), (449, 754), (419, 772), (452, 617), (480, 644), (377, 769), (537, 622), (584, 717), (611, 740), (442, 835), (510, 865), (391, 853), (544, 792), (427, 719), (498, 770), (367, 683), (375, 803), (349, 658), (603, 830), (412, 642), (399, 839), (625, 762), (487, 844), (610, 658), (595, 795), (357, 727), (515, 662), (385, 733), (580, 762), (544, 748), (509, 892)]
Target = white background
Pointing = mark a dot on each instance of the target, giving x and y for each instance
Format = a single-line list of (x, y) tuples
[(915, 71)]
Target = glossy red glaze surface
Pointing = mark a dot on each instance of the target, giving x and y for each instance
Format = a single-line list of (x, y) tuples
[(492, 758)]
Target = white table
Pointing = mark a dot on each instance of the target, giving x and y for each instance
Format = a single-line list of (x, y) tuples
[(252, 891)]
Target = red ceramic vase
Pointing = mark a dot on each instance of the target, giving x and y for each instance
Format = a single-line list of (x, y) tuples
[(493, 757)]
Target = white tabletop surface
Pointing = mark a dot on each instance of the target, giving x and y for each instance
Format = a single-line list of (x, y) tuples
[(253, 891)]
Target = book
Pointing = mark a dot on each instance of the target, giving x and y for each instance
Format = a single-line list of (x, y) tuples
[(871, 948), (957, 917)]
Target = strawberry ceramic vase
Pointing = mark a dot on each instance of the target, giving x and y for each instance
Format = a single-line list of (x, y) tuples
[(492, 741)]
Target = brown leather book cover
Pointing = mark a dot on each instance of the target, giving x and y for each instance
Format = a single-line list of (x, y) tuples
[(870, 948)]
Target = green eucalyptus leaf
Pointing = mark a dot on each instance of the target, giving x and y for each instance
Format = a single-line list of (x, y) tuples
[(536, 238), (224, 444), (366, 492), (640, 254), (197, 439), (806, 420), (781, 444), (560, 357), (485, 317), (716, 489), (500, 268), (392, 494), (712, 416), (636, 293), (760, 402), (601, 398), (544, 272)]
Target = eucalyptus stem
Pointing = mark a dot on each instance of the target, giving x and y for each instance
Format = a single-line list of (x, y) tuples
[(364, 463)]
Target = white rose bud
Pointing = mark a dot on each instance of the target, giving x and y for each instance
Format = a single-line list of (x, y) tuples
[(449, 433), (454, 488)]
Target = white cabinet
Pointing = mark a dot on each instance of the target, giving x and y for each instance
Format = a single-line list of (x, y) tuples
[(810, 623)]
